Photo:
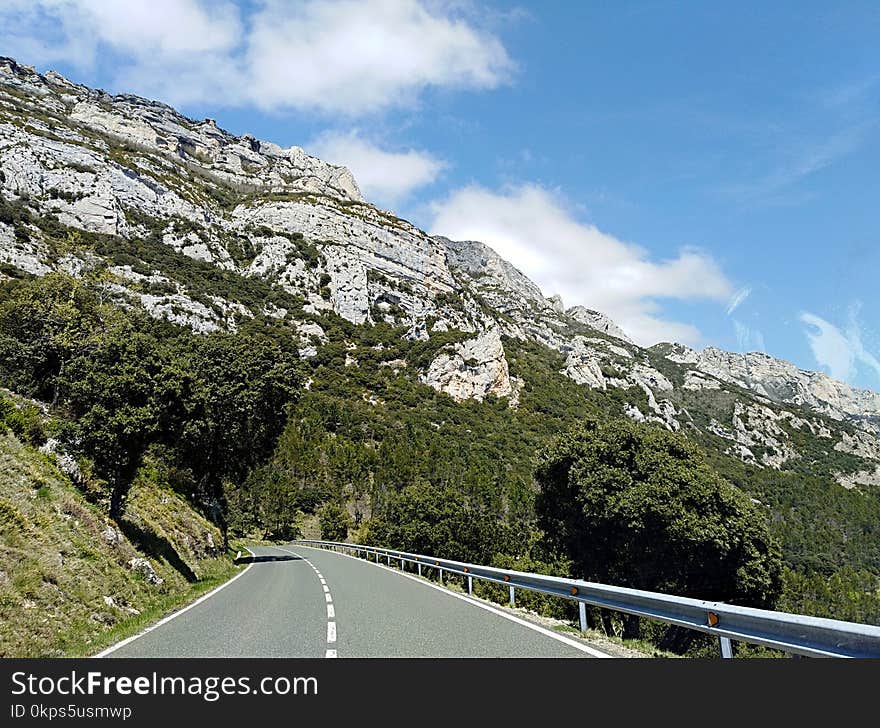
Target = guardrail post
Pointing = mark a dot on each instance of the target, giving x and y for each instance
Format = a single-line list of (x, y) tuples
[(420, 568), (582, 613), (388, 559), (726, 647), (470, 585), (512, 597), (440, 573)]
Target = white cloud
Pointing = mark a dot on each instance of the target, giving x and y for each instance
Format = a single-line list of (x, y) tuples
[(738, 299), (528, 226), (839, 352), (336, 56), (359, 55), (748, 338), (385, 177), (73, 30)]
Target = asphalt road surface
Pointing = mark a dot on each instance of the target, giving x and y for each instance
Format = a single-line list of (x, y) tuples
[(296, 601)]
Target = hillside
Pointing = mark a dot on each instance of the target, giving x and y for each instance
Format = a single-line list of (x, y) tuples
[(70, 579), (427, 359), (177, 212)]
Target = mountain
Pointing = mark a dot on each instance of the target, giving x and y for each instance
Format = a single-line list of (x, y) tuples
[(395, 365), (147, 187)]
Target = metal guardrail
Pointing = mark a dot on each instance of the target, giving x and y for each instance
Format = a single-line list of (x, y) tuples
[(793, 633)]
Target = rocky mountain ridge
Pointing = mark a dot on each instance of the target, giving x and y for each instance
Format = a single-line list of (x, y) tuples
[(95, 183)]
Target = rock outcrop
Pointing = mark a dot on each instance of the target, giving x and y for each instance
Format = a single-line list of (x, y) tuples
[(472, 369), (139, 174), (782, 382), (598, 321)]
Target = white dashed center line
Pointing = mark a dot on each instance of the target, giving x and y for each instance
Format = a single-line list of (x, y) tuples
[(331, 610)]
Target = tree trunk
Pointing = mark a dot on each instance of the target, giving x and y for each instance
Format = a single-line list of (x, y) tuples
[(116, 497), (607, 624), (632, 627)]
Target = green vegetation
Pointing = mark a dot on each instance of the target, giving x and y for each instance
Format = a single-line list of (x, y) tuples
[(67, 584), (335, 521), (369, 452), (209, 406), (427, 520), (638, 506)]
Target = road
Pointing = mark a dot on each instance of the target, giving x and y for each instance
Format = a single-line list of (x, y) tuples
[(297, 601)]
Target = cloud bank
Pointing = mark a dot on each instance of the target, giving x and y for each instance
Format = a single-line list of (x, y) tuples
[(385, 177), (349, 57), (528, 226)]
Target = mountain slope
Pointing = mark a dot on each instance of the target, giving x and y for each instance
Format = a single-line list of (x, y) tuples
[(175, 215), (70, 579)]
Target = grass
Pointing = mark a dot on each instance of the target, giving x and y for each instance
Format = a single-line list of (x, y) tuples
[(592, 635), (67, 586), (217, 571)]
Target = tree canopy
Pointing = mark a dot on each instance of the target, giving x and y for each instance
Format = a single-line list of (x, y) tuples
[(215, 404), (638, 506), (425, 519)]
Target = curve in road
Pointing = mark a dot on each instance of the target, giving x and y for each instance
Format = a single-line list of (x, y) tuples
[(307, 602)]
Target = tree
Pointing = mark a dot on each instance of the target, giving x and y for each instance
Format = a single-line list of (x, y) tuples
[(234, 407), (637, 506), (115, 397), (335, 521), (267, 501), (45, 324), (439, 521)]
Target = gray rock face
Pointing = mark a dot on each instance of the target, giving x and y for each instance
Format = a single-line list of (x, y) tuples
[(472, 369), (698, 381), (145, 568), (870, 478), (598, 321), (138, 170), (865, 445), (24, 255), (112, 536), (782, 382), (66, 463)]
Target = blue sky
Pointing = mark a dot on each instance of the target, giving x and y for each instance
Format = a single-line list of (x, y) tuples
[(706, 172)]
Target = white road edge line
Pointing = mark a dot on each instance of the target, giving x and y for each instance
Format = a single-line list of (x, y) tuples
[(328, 597), (331, 612), (525, 623), (331, 632), (330, 653), (176, 614)]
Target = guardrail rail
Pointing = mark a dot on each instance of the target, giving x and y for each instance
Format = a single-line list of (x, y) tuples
[(792, 633)]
